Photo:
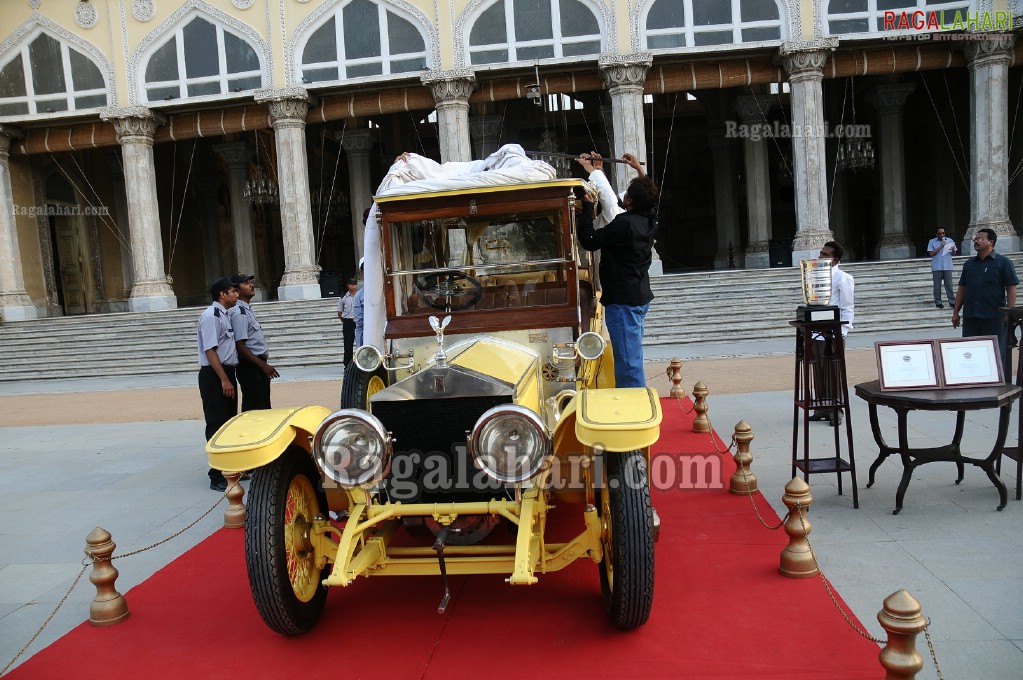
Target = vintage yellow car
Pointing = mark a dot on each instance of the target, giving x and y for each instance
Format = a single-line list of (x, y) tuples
[(486, 398)]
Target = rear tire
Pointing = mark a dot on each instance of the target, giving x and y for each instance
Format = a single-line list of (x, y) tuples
[(359, 386), (627, 539), (286, 585)]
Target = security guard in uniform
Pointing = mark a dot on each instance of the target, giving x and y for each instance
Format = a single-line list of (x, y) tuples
[(218, 359), (254, 373)]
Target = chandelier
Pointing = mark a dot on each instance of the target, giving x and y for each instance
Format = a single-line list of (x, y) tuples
[(784, 168), (328, 205), (549, 145), (856, 153), (259, 188)]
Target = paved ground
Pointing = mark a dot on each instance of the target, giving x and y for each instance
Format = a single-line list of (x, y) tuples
[(127, 456)]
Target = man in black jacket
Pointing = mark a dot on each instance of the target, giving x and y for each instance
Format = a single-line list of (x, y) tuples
[(625, 246)]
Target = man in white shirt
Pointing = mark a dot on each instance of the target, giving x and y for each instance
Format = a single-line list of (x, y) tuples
[(843, 288)]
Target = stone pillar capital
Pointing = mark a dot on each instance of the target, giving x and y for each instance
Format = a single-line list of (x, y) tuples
[(890, 98), (805, 60), (625, 72), (134, 124), (8, 133), (752, 109), (288, 107), (989, 51), (235, 154), (450, 88), (358, 141)]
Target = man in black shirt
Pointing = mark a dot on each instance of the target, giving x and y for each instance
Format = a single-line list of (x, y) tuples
[(987, 283), (625, 246)]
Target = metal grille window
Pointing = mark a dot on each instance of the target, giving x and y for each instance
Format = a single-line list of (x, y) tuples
[(45, 75), (867, 16), (694, 23), (362, 38), (525, 30), (201, 58)]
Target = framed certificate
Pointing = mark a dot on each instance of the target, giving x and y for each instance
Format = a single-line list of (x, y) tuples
[(970, 361), (907, 365)]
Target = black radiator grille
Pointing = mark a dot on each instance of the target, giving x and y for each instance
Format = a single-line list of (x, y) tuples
[(434, 427)]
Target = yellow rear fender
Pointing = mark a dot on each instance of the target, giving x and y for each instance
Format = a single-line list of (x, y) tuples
[(255, 438), (617, 419)]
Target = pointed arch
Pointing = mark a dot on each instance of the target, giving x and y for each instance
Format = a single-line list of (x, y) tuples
[(677, 24), (485, 32), (86, 77), (224, 24), (395, 18)]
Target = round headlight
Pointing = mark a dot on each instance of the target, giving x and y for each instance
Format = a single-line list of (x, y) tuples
[(352, 448), (590, 345), (368, 358), (509, 443)]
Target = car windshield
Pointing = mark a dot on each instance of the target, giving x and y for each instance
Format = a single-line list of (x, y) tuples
[(519, 260)]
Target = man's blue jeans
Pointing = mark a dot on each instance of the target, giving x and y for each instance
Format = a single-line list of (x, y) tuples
[(625, 326)]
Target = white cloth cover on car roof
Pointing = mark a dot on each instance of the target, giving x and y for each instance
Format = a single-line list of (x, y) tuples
[(411, 174)]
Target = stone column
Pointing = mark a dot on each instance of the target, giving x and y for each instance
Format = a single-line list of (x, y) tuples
[(890, 100), (123, 229), (988, 62), (725, 200), (486, 133), (753, 112), (237, 156), (804, 63), (451, 90), (357, 145), (623, 76), (151, 289), (288, 109), (15, 304)]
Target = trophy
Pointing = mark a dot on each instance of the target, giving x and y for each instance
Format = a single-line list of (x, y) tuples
[(816, 284)]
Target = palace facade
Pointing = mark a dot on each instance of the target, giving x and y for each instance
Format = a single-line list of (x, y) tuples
[(149, 146)]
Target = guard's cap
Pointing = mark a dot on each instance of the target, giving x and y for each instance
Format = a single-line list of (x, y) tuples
[(353, 281), (241, 278), (221, 285)]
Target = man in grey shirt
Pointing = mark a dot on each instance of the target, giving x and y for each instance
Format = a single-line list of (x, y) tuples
[(254, 373), (941, 250)]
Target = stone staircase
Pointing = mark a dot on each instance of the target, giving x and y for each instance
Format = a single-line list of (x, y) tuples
[(700, 307)]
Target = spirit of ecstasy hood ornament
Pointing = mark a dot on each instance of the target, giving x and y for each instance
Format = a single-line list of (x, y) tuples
[(438, 327)]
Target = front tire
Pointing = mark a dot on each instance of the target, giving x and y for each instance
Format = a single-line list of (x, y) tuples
[(359, 386), (286, 584), (627, 540)]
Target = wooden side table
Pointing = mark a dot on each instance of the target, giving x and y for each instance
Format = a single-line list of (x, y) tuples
[(821, 385)]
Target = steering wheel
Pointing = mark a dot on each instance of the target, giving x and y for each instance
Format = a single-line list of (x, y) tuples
[(441, 294)]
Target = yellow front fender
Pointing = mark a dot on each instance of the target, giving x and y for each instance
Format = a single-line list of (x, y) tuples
[(617, 419), (255, 438)]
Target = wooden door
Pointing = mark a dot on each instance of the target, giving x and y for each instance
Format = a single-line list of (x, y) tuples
[(71, 260)]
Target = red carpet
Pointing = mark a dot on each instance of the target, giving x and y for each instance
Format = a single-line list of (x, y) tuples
[(721, 610)]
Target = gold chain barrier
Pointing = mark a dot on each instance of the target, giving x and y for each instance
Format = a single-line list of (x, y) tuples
[(109, 606)]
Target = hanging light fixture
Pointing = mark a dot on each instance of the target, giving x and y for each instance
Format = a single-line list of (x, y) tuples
[(260, 188), (855, 152), (329, 205), (549, 145)]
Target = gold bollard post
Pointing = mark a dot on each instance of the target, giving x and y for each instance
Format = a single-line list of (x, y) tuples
[(901, 617), (701, 423), (109, 606), (796, 559), (234, 516), (675, 375), (743, 482)]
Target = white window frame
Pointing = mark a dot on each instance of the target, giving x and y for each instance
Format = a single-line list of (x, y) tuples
[(874, 15), (70, 93), (690, 30), (556, 41), (341, 64), (182, 82)]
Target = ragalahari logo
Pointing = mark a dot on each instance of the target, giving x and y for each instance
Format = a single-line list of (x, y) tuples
[(940, 20)]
